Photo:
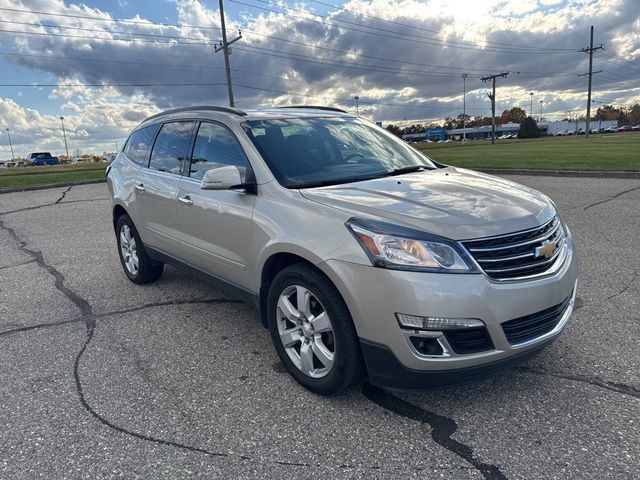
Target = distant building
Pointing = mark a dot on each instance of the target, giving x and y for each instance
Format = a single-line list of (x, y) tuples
[(483, 132)]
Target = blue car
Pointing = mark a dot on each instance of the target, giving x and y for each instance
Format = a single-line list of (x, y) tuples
[(42, 158)]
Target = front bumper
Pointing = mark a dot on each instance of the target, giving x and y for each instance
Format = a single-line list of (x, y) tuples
[(375, 295)]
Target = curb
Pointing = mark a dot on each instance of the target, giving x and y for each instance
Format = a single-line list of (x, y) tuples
[(47, 187), (561, 173)]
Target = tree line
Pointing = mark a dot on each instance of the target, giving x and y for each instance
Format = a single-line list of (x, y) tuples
[(624, 116)]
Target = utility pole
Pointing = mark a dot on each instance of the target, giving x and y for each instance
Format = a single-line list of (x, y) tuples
[(492, 96), (464, 106), (116, 142), (10, 144), (64, 135), (356, 98), (590, 74), (531, 104), (224, 46)]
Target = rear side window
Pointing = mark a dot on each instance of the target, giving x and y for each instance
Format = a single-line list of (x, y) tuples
[(139, 144), (170, 148), (216, 147)]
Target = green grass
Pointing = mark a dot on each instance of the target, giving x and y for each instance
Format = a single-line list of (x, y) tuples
[(598, 152), (50, 175)]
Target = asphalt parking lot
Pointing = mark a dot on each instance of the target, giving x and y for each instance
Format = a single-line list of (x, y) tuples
[(101, 378)]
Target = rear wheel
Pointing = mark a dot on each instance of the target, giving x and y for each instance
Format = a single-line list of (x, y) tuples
[(312, 330), (134, 259)]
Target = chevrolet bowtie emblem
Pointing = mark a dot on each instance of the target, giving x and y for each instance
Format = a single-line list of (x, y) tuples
[(546, 249)]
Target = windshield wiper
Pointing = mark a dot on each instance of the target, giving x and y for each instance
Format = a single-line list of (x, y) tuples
[(409, 169)]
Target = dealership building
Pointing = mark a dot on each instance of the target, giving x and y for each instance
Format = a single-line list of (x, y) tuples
[(548, 128)]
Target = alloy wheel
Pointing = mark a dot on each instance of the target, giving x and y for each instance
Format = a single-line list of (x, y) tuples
[(305, 331)]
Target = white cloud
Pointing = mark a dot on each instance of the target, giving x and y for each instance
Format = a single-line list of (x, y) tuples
[(427, 49)]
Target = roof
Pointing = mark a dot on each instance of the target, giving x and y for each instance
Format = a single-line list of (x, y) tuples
[(205, 111)]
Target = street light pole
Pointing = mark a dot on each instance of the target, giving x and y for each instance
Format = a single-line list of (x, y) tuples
[(531, 106), (10, 144), (356, 98), (64, 135), (540, 111), (464, 106)]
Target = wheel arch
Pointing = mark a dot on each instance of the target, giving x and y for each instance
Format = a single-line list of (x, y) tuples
[(277, 260), (117, 212)]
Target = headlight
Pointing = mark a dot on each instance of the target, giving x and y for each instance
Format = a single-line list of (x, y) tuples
[(396, 247)]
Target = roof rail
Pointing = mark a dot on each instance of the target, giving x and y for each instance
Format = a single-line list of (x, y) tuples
[(316, 107), (215, 108)]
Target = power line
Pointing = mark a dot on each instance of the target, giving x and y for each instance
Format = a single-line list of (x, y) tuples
[(49, 34), (114, 20), (394, 34), (206, 84), (345, 52), (406, 25)]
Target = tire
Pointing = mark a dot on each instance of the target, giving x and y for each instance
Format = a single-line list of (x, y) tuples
[(321, 352), (136, 264)]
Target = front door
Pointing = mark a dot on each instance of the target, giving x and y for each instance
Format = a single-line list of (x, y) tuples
[(215, 225)]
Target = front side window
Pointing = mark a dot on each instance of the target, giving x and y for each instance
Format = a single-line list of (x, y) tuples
[(139, 144), (216, 147), (308, 152), (170, 148)]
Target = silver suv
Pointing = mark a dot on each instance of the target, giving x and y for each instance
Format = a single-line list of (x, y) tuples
[(363, 256)]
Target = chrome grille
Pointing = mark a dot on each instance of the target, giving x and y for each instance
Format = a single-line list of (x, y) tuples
[(519, 254)]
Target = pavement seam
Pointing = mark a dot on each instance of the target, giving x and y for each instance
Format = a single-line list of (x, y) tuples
[(595, 381), (619, 194), (441, 428), (626, 287)]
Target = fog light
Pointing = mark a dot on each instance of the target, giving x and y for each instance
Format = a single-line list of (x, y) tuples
[(436, 323)]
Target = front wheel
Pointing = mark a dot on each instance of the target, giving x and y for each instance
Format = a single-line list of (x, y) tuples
[(312, 330), (134, 259)]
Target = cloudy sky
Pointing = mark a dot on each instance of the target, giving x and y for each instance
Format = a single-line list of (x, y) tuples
[(105, 65)]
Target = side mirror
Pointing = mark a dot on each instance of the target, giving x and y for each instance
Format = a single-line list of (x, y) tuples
[(222, 178)]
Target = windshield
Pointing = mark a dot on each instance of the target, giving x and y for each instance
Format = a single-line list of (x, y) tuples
[(310, 152)]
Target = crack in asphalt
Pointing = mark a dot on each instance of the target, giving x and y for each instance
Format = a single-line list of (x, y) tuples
[(17, 264), (36, 207), (81, 303), (595, 381), (626, 287), (441, 428), (58, 201), (64, 194), (96, 316), (619, 194)]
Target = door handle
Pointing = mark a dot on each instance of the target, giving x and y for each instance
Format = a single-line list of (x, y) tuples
[(139, 187), (186, 200)]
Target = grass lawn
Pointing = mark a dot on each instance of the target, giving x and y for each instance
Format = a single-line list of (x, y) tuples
[(619, 151), (50, 175)]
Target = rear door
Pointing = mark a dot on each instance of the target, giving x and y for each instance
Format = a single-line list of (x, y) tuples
[(157, 187), (215, 225)]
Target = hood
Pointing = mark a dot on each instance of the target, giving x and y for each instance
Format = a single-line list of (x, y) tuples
[(451, 202)]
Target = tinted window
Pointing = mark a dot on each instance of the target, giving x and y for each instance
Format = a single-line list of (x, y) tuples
[(170, 148), (139, 144), (306, 152), (216, 147)]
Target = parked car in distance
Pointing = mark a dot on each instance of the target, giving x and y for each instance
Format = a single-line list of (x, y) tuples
[(42, 158), (2, 164), (362, 255)]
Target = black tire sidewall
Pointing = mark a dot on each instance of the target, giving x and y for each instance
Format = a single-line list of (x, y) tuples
[(147, 271), (346, 369)]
